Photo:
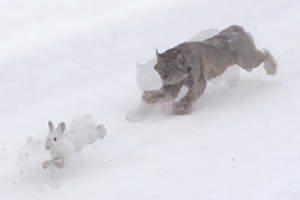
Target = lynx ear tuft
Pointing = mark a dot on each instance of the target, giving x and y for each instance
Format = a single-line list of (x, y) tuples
[(158, 56)]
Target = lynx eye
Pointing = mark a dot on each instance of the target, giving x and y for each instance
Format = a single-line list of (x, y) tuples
[(54, 139), (172, 70)]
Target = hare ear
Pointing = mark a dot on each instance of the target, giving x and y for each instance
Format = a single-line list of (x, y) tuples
[(51, 127), (61, 127)]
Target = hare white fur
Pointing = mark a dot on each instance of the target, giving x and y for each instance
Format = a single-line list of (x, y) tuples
[(84, 131), (62, 144)]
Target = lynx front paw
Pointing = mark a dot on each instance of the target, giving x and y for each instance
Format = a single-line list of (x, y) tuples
[(152, 96), (181, 107)]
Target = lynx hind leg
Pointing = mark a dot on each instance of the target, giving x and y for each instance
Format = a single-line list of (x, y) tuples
[(270, 64), (253, 59)]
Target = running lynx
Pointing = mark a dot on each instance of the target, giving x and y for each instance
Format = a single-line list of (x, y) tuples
[(192, 64)]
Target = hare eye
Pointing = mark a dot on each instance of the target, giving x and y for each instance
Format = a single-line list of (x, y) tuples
[(55, 139)]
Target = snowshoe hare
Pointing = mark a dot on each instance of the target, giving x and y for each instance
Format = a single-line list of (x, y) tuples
[(63, 143)]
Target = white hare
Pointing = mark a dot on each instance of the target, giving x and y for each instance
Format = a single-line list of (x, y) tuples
[(63, 143)]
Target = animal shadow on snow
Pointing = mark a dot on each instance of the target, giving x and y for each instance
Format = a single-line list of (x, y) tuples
[(216, 97)]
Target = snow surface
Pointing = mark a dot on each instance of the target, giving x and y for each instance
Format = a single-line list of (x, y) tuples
[(63, 58)]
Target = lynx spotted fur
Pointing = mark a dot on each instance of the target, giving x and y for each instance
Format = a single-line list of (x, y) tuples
[(192, 64)]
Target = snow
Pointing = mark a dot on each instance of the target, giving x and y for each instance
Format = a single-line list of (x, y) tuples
[(64, 58)]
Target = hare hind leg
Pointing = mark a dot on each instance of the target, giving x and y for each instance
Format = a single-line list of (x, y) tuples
[(270, 64)]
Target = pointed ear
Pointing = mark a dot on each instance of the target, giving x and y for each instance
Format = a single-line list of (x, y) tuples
[(158, 56), (61, 127), (51, 127)]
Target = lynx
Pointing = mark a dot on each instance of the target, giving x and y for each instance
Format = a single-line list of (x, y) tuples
[(192, 64), (148, 79)]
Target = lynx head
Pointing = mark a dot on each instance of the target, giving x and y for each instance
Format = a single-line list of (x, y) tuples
[(170, 66)]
